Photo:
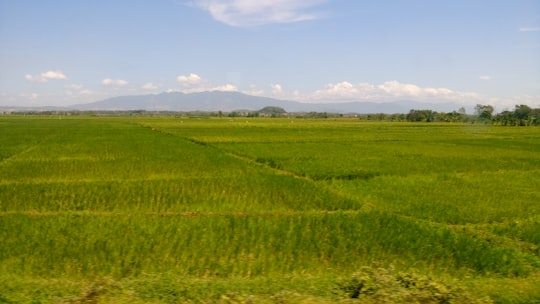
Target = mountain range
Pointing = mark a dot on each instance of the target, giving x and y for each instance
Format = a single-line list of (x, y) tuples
[(234, 101)]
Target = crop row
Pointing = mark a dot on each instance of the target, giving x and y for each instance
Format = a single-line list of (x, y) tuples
[(231, 245)]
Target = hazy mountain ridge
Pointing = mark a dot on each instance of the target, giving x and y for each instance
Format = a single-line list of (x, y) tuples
[(233, 101), (177, 101)]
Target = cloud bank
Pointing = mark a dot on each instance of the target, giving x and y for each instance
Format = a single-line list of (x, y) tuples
[(345, 91), (390, 90), (246, 13)]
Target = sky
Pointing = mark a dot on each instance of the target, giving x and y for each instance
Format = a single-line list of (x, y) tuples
[(64, 52)]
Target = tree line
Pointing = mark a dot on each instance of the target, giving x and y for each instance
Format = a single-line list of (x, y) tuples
[(522, 115)]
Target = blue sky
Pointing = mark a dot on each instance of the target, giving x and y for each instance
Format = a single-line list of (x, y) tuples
[(466, 51)]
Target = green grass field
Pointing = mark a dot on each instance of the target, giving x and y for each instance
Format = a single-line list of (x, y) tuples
[(260, 210)]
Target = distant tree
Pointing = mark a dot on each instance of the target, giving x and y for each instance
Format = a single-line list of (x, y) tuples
[(535, 114), (484, 112), (398, 117), (421, 115), (377, 116), (523, 114), (453, 116), (415, 115), (317, 114), (505, 118), (272, 111), (441, 116)]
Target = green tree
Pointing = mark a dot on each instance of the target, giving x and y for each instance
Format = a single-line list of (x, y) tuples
[(484, 112), (505, 118), (523, 114), (535, 114), (453, 116), (421, 115), (272, 110)]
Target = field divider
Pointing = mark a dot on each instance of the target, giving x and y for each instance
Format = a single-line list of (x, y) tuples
[(36, 213), (243, 158), (252, 161), (110, 180), (366, 206)]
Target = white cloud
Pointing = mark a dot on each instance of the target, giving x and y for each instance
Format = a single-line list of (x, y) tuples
[(149, 86), (46, 76), (344, 91), (276, 89), (54, 75), (115, 83), (243, 13), (190, 80), (394, 88), (485, 77), (193, 83), (530, 29), (225, 88)]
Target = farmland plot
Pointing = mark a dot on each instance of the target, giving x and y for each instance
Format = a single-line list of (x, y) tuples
[(168, 202)]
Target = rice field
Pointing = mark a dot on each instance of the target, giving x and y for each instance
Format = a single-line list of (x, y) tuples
[(274, 210)]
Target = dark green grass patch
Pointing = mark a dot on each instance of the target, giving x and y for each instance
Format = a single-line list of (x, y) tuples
[(453, 198)]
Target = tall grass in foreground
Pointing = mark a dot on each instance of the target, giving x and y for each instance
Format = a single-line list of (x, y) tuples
[(240, 245)]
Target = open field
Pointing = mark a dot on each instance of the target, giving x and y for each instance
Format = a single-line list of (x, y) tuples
[(164, 210)]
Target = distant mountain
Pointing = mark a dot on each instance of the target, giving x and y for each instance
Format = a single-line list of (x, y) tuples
[(233, 101), (176, 101)]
